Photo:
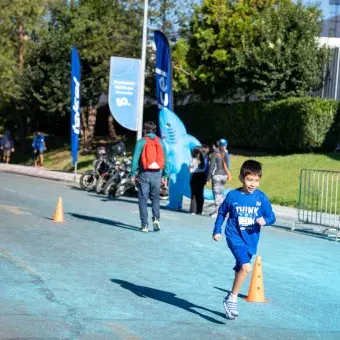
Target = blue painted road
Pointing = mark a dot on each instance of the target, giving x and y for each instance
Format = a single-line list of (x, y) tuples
[(97, 277)]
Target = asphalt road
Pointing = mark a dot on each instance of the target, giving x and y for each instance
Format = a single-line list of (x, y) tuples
[(96, 276)]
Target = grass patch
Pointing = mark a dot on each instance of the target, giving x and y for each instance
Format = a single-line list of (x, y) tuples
[(281, 174)]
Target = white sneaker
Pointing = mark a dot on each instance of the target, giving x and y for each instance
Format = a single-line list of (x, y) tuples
[(156, 226), (213, 215), (230, 307)]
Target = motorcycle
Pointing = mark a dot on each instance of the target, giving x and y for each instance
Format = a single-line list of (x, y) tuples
[(120, 182), (104, 177), (89, 178)]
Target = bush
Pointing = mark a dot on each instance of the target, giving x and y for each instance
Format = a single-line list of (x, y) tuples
[(294, 124)]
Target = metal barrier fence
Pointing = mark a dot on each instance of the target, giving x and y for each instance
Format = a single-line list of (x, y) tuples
[(319, 200)]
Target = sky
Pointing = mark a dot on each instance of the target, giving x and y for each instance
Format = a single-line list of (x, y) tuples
[(324, 4)]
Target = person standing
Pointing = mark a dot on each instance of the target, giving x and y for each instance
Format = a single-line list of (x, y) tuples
[(218, 173), (206, 156), (150, 160), (39, 147), (197, 181), (7, 147)]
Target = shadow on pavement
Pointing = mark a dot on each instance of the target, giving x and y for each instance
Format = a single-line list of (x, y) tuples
[(162, 207), (105, 221), (229, 291), (169, 298), (74, 187)]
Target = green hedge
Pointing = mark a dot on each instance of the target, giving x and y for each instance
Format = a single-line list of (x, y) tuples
[(294, 124)]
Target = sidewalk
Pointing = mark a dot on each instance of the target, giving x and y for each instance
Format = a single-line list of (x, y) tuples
[(40, 172), (286, 216)]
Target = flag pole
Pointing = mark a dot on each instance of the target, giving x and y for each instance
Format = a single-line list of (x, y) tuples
[(75, 171), (142, 72)]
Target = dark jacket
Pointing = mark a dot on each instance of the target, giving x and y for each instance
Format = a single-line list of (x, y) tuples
[(7, 142)]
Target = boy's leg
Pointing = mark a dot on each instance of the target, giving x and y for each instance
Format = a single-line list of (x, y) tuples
[(41, 155), (8, 156), (240, 276), (242, 270), (242, 267), (38, 159)]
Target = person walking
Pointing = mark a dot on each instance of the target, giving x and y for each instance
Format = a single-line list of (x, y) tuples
[(7, 146), (39, 146), (218, 173), (150, 160)]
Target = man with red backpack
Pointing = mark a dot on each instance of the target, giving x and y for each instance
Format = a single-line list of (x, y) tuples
[(150, 159)]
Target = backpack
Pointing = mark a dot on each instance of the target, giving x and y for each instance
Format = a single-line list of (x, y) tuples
[(153, 154)]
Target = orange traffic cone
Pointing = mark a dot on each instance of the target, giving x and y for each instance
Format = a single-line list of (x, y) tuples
[(59, 212), (256, 289)]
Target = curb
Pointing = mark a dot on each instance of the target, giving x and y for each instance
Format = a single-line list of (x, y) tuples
[(40, 173)]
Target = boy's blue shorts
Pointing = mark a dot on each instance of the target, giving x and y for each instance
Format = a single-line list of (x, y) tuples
[(241, 255)]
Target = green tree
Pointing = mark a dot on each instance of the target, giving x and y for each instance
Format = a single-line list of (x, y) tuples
[(172, 17), (265, 48), (99, 30), (21, 22)]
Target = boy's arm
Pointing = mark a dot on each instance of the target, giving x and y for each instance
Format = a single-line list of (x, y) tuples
[(136, 156), (267, 211), (222, 213)]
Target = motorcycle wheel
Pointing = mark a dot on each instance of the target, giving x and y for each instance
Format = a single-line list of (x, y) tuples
[(110, 188), (100, 185), (88, 180)]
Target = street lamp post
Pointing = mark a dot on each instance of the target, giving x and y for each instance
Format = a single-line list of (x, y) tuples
[(142, 72)]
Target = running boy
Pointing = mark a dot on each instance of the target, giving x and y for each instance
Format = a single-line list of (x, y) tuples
[(248, 209)]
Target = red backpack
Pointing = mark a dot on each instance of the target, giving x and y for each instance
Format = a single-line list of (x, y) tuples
[(153, 154)]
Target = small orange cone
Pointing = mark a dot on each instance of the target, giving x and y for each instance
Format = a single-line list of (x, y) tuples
[(59, 212), (256, 289)]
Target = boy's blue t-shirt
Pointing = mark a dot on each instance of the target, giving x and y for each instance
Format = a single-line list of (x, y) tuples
[(241, 229), (38, 142)]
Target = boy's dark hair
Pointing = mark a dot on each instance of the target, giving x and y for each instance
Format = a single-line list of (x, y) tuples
[(251, 167), (149, 127)]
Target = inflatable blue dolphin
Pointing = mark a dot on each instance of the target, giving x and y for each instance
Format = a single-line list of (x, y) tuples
[(179, 145)]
